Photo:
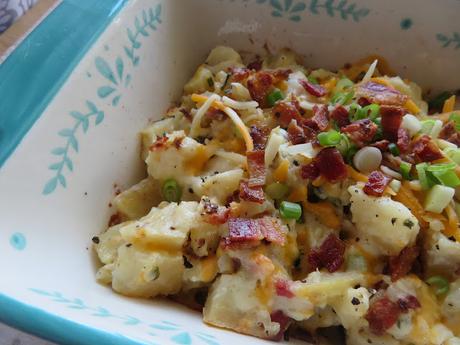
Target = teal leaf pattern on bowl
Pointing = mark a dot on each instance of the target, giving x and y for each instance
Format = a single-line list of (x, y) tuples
[(451, 40), (70, 145), (150, 18), (161, 330), (117, 78)]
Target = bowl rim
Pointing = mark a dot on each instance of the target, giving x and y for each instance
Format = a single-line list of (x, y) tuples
[(39, 74)]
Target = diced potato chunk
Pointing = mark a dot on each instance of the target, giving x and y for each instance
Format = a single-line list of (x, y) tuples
[(109, 241), (152, 132), (137, 201), (147, 274), (199, 82)]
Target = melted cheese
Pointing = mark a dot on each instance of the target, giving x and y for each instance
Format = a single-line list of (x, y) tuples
[(449, 104), (281, 172), (208, 268), (196, 163), (325, 213)]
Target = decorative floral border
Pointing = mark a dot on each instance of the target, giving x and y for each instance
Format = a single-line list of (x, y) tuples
[(159, 330), (449, 40), (117, 79)]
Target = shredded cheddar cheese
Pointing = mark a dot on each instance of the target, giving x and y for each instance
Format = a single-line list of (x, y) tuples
[(449, 104)]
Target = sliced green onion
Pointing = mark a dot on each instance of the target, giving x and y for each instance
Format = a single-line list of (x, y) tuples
[(274, 97), (456, 118), (356, 262), (312, 80), (277, 190), (405, 169), (393, 149), (448, 178), (441, 167), (290, 210), (453, 154), (438, 102), (371, 111), (425, 181), (343, 84), (329, 138), (342, 98), (172, 192), (344, 145), (354, 111), (350, 153), (440, 283), (427, 126), (438, 197)]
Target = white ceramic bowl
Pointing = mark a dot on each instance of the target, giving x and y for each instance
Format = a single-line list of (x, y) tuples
[(91, 76)]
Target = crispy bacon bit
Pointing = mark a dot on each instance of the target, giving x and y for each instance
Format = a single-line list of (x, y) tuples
[(330, 164), (215, 114), (382, 145), (256, 65), (115, 219), (382, 314), (159, 143), (249, 232), (340, 115), (450, 133), (309, 171), (283, 289), (391, 120), (286, 112), (320, 119), (272, 230), (254, 194), (361, 131), (239, 74), (381, 94), (401, 264), (426, 150), (261, 83), (259, 135), (313, 89), (218, 218), (403, 140), (363, 102), (376, 183), (296, 133), (284, 322), (242, 232), (408, 302), (256, 168), (329, 254)]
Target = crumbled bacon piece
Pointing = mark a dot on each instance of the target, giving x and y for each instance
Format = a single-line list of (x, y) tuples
[(408, 302), (249, 232), (313, 89), (380, 94), (259, 135), (391, 120), (115, 219), (382, 314), (376, 183), (363, 102), (330, 164), (382, 145), (426, 150), (283, 289), (329, 254), (403, 140), (254, 194), (215, 114), (256, 65), (256, 168), (286, 112), (261, 83), (401, 264), (239, 74), (361, 131), (159, 143), (340, 116), (320, 119), (309, 171), (283, 320), (272, 230), (296, 134), (242, 232), (449, 132), (218, 218)]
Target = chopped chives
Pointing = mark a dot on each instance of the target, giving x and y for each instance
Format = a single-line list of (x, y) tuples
[(171, 190), (456, 118), (393, 149), (440, 283), (330, 138), (448, 178), (342, 98), (405, 169)]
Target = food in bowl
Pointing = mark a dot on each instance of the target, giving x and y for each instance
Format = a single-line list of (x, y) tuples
[(280, 198)]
